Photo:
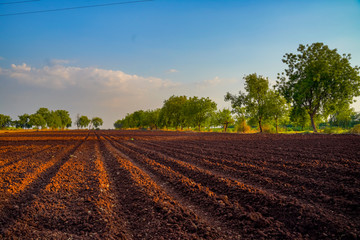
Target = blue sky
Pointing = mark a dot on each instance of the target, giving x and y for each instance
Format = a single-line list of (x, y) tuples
[(108, 61)]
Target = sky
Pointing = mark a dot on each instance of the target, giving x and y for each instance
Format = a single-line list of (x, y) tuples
[(112, 60)]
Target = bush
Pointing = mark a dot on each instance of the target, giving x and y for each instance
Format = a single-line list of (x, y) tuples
[(268, 128), (356, 129), (333, 130), (242, 127)]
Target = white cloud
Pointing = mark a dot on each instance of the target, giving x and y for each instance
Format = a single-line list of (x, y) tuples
[(61, 77), (172, 71)]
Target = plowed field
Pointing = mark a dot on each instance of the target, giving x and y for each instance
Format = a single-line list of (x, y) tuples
[(175, 185)]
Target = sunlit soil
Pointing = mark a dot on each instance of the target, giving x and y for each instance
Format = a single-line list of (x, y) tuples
[(177, 185)]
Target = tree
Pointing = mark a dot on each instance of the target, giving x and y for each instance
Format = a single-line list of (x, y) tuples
[(5, 121), (37, 120), (96, 122), (23, 121), (342, 116), (77, 121), (224, 118), (276, 107), (118, 124), (173, 109), (151, 118), (65, 118), (84, 121), (54, 121), (198, 110), (255, 101), (46, 114), (318, 80)]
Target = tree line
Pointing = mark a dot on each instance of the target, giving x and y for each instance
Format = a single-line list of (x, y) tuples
[(317, 87), (45, 118)]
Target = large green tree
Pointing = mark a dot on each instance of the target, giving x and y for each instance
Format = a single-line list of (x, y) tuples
[(255, 100), (318, 79)]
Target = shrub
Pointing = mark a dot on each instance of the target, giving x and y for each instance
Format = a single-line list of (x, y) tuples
[(242, 127), (333, 130), (356, 129), (268, 128)]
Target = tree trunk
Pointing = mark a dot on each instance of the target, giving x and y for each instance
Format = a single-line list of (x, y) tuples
[(276, 120), (260, 126), (313, 122), (199, 127), (225, 126)]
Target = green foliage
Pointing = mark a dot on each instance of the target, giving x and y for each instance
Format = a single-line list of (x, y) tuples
[(356, 129), (259, 103), (83, 122), (342, 116), (118, 124), (96, 122), (173, 111), (318, 80), (46, 115), (37, 120), (224, 118), (268, 128), (65, 120), (5, 121), (199, 110), (333, 130), (23, 121), (242, 127)]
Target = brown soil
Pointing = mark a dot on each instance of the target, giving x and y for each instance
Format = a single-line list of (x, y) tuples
[(176, 185)]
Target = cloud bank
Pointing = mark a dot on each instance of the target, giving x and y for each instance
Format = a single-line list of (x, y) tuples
[(58, 76)]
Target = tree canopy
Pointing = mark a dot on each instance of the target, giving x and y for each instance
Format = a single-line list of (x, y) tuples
[(96, 122), (318, 79)]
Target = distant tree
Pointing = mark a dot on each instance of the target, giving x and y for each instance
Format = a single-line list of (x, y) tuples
[(199, 110), (84, 122), (318, 80), (23, 121), (173, 109), (96, 122), (5, 121), (137, 119), (77, 121), (342, 116), (37, 120), (151, 118), (46, 114), (277, 107), (118, 124), (224, 118), (54, 120), (65, 118), (255, 101)]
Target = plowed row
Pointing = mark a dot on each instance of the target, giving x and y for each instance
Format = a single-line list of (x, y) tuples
[(175, 185)]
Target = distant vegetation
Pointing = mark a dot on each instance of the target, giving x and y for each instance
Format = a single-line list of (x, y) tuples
[(315, 91), (48, 119)]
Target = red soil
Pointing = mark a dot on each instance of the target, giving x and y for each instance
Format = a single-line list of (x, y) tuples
[(175, 185)]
